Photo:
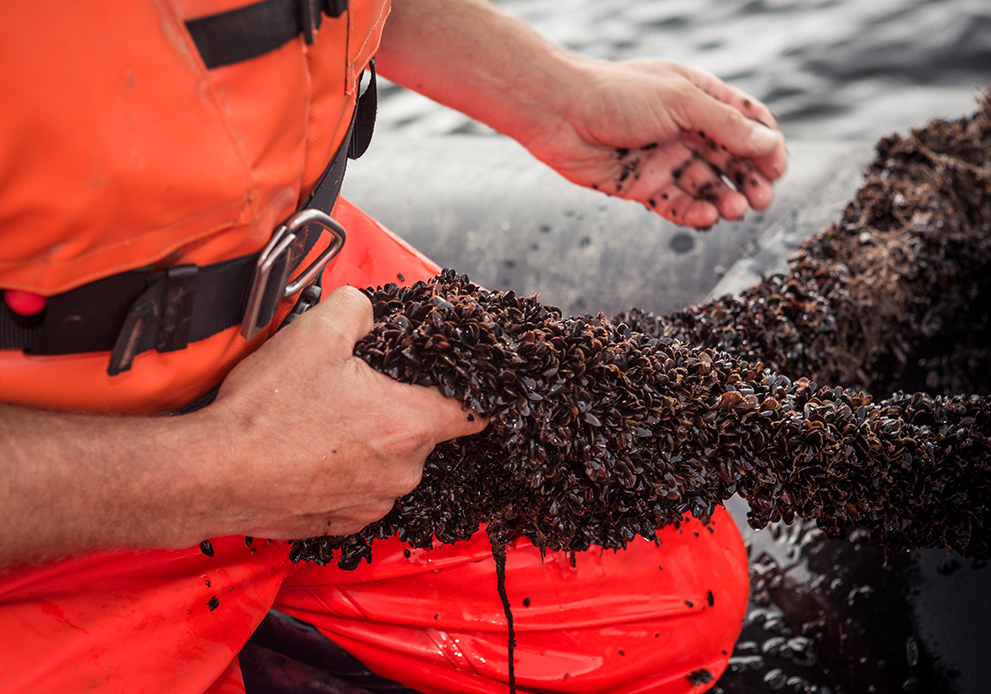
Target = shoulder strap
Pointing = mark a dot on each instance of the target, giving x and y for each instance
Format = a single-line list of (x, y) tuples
[(254, 30)]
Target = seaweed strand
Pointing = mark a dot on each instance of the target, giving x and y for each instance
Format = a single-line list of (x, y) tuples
[(497, 538)]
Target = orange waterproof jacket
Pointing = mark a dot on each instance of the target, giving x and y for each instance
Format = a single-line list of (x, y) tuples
[(119, 150)]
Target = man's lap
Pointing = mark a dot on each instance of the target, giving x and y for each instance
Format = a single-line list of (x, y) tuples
[(636, 620)]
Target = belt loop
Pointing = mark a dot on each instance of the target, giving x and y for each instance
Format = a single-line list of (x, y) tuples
[(178, 299), (140, 330), (309, 18)]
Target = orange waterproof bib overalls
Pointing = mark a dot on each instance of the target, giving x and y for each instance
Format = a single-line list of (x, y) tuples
[(120, 149)]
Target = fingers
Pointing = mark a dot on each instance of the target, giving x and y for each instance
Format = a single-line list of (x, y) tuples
[(688, 209), (742, 137), (742, 172), (352, 317), (694, 183), (704, 183)]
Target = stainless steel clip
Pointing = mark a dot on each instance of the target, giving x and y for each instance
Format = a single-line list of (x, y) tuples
[(269, 283)]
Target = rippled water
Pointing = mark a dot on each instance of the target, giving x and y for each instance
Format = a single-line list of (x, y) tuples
[(830, 69)]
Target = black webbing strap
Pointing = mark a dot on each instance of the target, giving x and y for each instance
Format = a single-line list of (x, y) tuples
[(194, 301), (254, 30), (139, 310), (364, 117)]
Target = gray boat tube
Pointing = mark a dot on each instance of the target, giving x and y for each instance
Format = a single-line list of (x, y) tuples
[(483, 206)]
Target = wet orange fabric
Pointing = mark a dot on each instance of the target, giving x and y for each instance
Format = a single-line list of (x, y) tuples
[(647, 619), (128, 621), (124, 151)]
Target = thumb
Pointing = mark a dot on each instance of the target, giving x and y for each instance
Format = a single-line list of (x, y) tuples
[(721, 122), (740, 135), (348, 315), (353, 317), (761, 140), (448, 416)]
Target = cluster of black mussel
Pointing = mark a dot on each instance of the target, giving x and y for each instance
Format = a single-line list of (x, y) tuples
[(604, 429)]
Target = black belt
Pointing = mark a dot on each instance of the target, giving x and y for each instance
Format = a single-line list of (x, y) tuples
[(139, 310)]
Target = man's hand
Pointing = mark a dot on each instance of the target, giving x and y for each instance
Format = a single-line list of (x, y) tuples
[(670, 136), (303, 440), (325, 443)]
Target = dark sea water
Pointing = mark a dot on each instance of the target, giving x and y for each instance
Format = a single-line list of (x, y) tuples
[(830, 69)]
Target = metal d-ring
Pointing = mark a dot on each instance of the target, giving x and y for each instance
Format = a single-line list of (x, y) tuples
[(264, 296), (301, 219)]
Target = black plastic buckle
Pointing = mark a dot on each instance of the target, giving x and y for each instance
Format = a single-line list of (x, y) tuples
[(269, 283)]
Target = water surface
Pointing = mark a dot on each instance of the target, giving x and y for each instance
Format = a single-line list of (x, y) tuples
[(830, 69)]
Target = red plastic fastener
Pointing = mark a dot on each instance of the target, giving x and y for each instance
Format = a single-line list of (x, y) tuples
[(24, 303)]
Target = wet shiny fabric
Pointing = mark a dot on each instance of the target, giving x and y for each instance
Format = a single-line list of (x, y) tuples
[(659, 619), (652, 618)]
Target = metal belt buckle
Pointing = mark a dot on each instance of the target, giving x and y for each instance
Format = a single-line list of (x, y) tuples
[(269, 283)]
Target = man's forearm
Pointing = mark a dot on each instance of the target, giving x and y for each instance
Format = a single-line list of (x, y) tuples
[(71, 483), (667, 135), (468, 55), (303, 440)]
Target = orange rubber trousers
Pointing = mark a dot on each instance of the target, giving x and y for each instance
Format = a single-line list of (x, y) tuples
[(656, 617)]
